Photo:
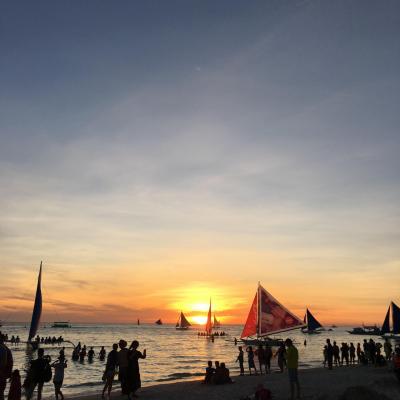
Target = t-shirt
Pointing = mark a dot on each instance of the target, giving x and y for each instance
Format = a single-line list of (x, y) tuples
[(59, 372), (292, 357), (123, 358)]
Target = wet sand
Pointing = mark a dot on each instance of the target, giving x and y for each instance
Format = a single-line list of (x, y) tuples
[(317, 383)]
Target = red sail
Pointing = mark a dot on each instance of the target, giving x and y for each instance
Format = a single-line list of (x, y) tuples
[(274, 317), (209, 324), (250, 328)]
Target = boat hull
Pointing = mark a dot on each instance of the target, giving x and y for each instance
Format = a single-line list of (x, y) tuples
[(262, 342), (181, 328)]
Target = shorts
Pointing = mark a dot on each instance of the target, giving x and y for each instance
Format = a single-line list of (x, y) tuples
[(293, 376), (57, 384)]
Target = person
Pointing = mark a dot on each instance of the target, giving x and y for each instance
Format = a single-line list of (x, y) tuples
[(366, 349), (396, 362), (102, 353), (59, 367), (6, 365), (225, 378), (62, 353), (217, 378), (352, 351), (358, 353), (329, 353), (235, 342), (325, 355), (261, 357), (336, 354), (292, 362), (90, 354), (372, 351), (15, 386), (75, 354), (250, 359), (134, 382), (387, 348), (240, 360), (345, 353), (281, 356), (268, 356), (111, 368), (123, 362), (262, 393), (37, 375), (208, 379), (305, 342), (82, 354)]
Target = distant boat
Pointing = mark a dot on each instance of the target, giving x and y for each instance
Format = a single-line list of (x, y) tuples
[(138, 321), (183, 324), (37, 310), (159, 322), (266, 317), (216, 323), (371, 330), (61, 324), (395, 331), (313, 325)]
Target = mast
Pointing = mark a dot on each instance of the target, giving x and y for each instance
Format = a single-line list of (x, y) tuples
[(258, 310), (37, 307)]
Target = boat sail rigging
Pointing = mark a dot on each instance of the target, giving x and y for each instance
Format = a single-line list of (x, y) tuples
[(313, 325), (385, 330), (37, 308), (183, 323), (267, 316)]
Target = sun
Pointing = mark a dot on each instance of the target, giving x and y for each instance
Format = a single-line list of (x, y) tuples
[(199, 319)]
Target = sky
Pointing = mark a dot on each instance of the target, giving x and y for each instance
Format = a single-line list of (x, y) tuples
[(155, 154)]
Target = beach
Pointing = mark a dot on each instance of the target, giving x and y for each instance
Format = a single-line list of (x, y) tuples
[(347, 383)]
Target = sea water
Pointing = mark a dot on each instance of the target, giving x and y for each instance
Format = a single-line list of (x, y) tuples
[(171, 355)]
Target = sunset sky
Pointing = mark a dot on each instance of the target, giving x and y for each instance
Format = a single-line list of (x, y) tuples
[(155, 154)]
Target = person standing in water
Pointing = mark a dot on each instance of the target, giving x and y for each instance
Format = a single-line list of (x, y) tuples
[(134, 382), (292, 362), (59, 367), (111, 368)]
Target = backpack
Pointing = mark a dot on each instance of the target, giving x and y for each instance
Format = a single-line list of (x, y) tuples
[(47, 373)]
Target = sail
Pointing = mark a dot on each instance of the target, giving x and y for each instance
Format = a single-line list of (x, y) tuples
[(250, 327), (37, 307), (209, 324), (159, 322), (396, 318), (216, 323), (182, 322), (273, 316), (312, 323), (386, 324)]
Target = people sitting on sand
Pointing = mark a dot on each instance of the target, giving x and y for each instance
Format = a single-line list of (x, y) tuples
[(262, 393), (209, 377)]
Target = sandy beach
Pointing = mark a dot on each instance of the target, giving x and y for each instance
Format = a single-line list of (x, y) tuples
[(345, 383)]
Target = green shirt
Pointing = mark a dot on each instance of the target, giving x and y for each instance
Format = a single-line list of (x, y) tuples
[(292, 357)]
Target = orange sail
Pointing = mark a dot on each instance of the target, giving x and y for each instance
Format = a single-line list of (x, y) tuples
[(250, 328), (209, 324)]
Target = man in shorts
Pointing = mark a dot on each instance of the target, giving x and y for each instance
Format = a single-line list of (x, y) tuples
[(292, 363)]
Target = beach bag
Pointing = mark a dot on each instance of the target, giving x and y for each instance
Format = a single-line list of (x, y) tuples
[(47, 373)]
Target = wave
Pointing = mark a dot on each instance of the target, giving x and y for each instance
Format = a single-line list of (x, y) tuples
[(179, 375)]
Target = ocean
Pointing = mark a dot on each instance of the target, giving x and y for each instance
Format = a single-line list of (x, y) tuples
[(171, 355)]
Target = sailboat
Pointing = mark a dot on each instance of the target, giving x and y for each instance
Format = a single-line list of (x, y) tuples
[(182, 324), (266, 317), (385, 330), (209, 326), (37, 311), (159, 322), (313, 325), (216, 323)]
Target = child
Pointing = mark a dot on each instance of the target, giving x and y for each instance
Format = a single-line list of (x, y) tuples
[(15, 386), (58, 379)]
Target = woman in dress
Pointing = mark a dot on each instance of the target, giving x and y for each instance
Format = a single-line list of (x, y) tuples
[(250, 359), (134, 382)]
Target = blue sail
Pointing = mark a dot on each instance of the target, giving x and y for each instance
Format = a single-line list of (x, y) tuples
[(37, 308), (312, 323), (396, 318), (386, 323)]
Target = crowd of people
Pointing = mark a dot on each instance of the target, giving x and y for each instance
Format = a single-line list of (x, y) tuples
[(122, 361), (370, 352), (217, 375)]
